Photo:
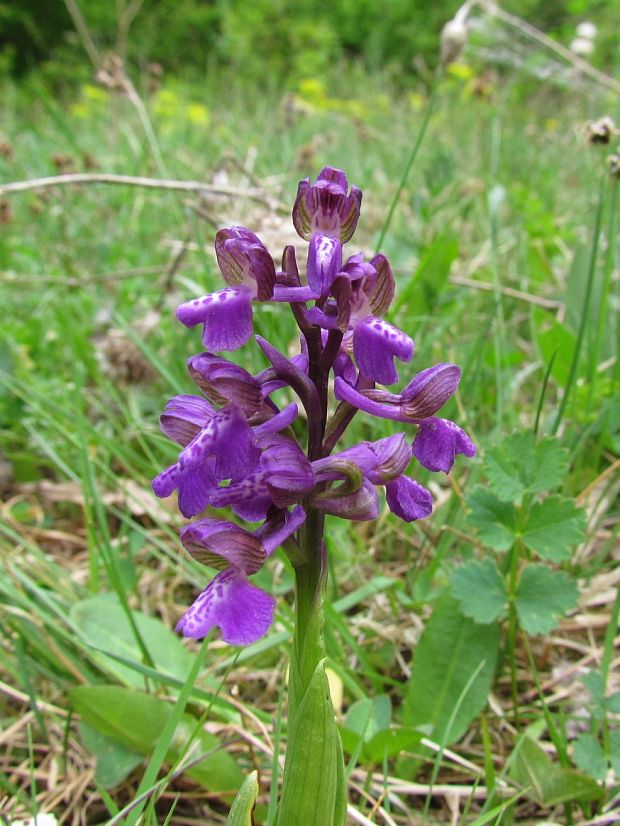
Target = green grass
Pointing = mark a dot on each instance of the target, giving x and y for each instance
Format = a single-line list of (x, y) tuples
[(504, 192)]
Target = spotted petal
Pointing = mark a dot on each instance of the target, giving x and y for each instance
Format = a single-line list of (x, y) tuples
[(226, 316), (242, 611), (375, 344), (324, 262), (438, 442)]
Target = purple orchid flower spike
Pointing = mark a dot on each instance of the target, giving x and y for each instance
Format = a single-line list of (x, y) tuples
[(242, 611), (226, 315)]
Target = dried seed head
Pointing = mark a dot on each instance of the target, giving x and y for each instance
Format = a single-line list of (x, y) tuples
[(601, 130), (453, 40)]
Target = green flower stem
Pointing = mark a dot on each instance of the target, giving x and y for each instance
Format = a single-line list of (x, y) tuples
[(313, 788)]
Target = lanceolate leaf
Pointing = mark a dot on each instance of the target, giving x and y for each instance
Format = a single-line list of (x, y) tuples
[(480, 591), (242, 809), (495, 520), (543, 596), (553, 528), (449, 653)]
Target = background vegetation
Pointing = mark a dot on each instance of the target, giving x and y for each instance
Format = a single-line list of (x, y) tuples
[(474, 656)]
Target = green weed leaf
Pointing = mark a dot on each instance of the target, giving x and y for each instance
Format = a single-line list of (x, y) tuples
[(589, 756), (449, 652), (549, 784), (553, 527), (103, 624), (480, 591), (136, 720), (494, 520), (520, 464), (614, 752), (368, 716), (542, 597), (114, 761)]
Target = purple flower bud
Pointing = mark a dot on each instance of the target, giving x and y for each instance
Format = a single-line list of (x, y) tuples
[(325, 208)]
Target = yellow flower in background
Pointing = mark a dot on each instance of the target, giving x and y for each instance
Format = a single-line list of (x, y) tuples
[(197, 114), (95, 93)]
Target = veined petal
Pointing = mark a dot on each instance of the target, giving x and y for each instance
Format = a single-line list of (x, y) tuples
[(250, 499), (226, 316), (184, 417), (430, 390), (244, 259), (243, 612), (438, 442), (288, 473), (408, 499), (359, 506), (219, 544), (383, 284), (325, 207), (324, 262), (222, 382), (196, 483), (375, 344)]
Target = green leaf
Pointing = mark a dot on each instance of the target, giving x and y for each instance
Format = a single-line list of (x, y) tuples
[(614, 752), (104, 625), (553, 527), (368, 716), (114, 761), (494, 520), (556, 339), (313, 787), (449, 652), (136, 720), (480, 591), (550, 784), (520, 464), (589, 756), (242, 809), (389, 742), (542, 597)]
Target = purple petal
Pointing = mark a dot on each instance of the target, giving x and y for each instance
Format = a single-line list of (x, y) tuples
[(273, 534), (294, 294), (226, 315), (184, 417), (343, 391), (359, 506), (166, 482), (393, 455), (408, 499), (250, 499), (438, 442), (222, 382), (219, 544), (375, 344), (430, 390), (324, 262), (288, 473), (325, 207), (242, 611), (244, 259), (344, 368), (321, 319), (334, 176), (196, 484), (280, 421)]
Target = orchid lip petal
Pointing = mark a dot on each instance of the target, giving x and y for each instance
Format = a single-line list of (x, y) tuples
[(226, 316), (324, 262), (243, 612), (375, 345), (438, 442), (408, 499)]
